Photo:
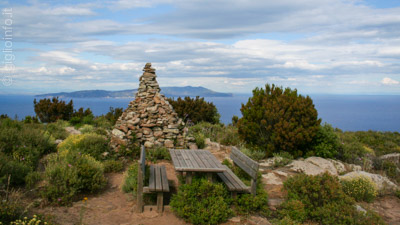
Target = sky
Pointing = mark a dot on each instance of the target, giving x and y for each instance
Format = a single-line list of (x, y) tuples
[(314, 46)]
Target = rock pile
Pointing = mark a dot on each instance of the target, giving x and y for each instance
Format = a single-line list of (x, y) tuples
[(149, 118)]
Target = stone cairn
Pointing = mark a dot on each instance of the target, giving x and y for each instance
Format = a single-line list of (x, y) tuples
[(149, 118)]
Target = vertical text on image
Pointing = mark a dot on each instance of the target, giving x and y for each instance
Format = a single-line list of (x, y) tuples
[(9, 57)]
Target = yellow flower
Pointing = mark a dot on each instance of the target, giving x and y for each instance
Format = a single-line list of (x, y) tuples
[(85, 198)]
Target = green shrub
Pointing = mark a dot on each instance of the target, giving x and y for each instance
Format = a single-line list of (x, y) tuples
[(195, 110), (323, 200), (113, 115), (202, 202), (247, 204), (93, 144), (226, 135), (294, 209), (57, 129), (112, 166), (32, 178), (282, 159), (360, 188), (130, 179), (9, 211), (326, 142), (102, 122), (17, 171), (285, 221), (31, 119), (254, 154), (277, 119), (158, 153), (70, 173), (87, 129)]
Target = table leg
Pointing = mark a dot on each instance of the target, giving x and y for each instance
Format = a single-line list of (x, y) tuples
[(188, 177)]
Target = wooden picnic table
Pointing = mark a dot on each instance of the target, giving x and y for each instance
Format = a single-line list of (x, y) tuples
[(189, 161)]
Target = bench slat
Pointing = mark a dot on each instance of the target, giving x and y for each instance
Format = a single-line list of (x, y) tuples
[(236, 153), (158, 180), (152, 185), (230, 186), (174, 158), (232, 181), (164, 177), (243, 166)]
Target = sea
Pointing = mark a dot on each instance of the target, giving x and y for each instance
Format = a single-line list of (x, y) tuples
[(346, 112)]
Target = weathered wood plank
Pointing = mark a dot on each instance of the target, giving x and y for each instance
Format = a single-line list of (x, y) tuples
[(201, 155), (142, 160), (196, 159), (238, 184), (158, 180), (174, 158), (187, 159), (152, 185), (192, 159), (182, 161), (165, 184), (228, 183), (160, 202), (244, 166)]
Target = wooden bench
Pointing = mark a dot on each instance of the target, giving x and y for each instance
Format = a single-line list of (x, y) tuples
[(248, 165), (158, 182)]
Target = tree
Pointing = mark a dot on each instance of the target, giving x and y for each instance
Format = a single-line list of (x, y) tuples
[(277, 119), (195, 110), (114, 114), (51, 110)]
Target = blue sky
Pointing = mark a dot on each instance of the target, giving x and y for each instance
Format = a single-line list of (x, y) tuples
[(315, 46)]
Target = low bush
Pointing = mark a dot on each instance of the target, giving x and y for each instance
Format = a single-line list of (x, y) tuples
[(130, 179), (360, 188), (32, 178), (87, 129), (202, 202), (158, 153), (57, 129), (323, 200), (9, 211), (70, 173), (112, 166), (13, 169), (282, 159), (247, 204), (254, 154), (102, 122), (93, 144), (226, 135)]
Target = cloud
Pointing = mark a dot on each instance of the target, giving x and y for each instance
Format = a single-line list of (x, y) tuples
[(389, 81)]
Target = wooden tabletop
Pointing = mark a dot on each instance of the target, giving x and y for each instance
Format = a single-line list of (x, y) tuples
[(186, 160)]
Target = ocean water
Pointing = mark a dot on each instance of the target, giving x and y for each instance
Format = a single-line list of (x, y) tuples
[(347, 112)]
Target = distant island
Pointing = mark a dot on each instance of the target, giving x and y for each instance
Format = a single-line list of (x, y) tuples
[(167, 91)]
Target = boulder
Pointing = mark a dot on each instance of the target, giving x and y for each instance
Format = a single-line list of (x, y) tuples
[(393, 157)]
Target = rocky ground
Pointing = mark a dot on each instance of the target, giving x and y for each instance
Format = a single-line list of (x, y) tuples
[(112, 206)]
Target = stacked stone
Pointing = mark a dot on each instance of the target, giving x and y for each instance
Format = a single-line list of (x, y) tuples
[(149, 118)]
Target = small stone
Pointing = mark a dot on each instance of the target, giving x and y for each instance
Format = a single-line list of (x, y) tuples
[(169, 144), (235, 219), (148, 144)]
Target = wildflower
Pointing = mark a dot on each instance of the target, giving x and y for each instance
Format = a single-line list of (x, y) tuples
[(85, 198), (59, 199), (69, 165)]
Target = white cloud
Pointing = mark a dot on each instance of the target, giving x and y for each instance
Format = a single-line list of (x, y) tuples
[(389, 81)]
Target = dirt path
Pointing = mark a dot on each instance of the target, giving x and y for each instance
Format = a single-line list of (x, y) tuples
[(112, 207)]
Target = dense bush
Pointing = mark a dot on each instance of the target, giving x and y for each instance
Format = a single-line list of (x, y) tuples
[(157, 153), (51, 110), (9, 211), (254, 154), (113, 166), (82, 116), (130, 179), (57, 129), (279, 120), (202, 202), (226, 135), (93, 144), (323, 201), (326, 143), (21, 147), (195, 110), (360, 188), (69, 173)]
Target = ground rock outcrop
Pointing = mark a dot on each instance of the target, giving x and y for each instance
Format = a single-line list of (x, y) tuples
[(149, 118), (384, 185)]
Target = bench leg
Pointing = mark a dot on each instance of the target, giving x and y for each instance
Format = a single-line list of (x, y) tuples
[(210, 177), (160, 202), (188, 177)]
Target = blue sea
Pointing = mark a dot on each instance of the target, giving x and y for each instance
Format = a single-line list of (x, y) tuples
[(347, 112)]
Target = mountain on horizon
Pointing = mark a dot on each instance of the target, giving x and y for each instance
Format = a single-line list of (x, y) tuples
[(130, 93)]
